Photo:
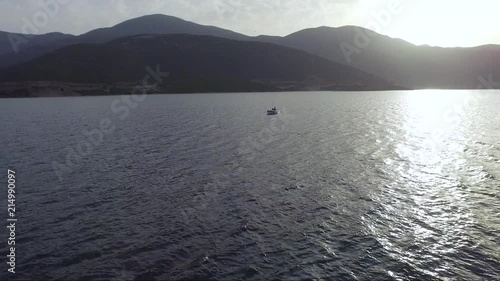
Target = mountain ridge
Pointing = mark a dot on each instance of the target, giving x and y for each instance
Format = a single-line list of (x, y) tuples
[(392, 59), (149, 24), (201, 59)]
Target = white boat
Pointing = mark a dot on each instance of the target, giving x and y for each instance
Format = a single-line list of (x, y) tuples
[(273, 111)]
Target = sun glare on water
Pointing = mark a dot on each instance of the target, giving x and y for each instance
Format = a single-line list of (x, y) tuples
[(435, 119)]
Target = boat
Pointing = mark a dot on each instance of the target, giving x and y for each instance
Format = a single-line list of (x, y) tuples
[(273, 111)]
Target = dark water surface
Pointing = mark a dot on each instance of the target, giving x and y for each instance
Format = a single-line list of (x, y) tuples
[(340, 186)]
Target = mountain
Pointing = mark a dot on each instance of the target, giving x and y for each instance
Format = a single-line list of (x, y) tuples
[(11, 43), (194, 60), (16, 47), (155, 24), (396, 60), (39, 45), (393, 60)]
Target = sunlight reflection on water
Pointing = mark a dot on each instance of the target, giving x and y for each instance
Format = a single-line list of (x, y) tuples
[(432, 216), (357, 186)]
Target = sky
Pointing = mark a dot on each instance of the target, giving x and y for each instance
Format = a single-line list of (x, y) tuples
[(446, 23)]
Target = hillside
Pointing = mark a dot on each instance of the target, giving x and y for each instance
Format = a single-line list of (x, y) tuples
[(152, 24), (194, 61), (395, 60)]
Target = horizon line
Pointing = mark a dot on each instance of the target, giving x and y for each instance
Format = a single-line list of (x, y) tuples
[(256, 36)]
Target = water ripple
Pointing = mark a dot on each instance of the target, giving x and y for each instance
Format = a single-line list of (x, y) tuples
[(350, 189)]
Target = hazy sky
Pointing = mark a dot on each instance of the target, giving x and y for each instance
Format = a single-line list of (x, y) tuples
[(433, 22)]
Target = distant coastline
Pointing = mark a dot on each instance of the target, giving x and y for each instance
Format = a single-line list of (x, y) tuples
[(33, 89), (207, 59)]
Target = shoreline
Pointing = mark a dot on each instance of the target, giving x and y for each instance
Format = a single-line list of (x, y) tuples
[(45, 89)]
